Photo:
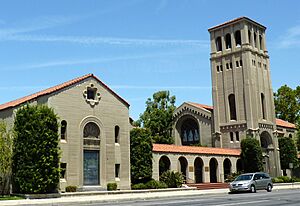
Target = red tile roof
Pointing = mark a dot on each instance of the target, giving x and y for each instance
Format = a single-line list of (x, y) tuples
[(235, 20), (50, 90), (195, 150), (201, 106), (282, 123), (279, 122)]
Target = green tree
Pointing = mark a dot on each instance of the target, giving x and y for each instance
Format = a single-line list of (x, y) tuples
[(6, 145), (35, 167), (288, 153), (287, 104), (158, 117), (251, 155), (140, 155)]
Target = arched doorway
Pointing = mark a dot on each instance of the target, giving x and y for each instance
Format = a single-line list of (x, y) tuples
[(189, 131), (213, 167), (198, 165), (266, 143), (164, 164), (227, 168), (91, 157), (239, 166), (183, 164)]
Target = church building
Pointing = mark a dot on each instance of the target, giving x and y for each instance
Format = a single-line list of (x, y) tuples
[(95, 123), (243, 106)]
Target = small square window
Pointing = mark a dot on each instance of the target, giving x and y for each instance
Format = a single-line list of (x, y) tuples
[(91, 93), (117, 170)]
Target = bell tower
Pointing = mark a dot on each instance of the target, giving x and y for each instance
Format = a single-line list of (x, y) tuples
[(242, 90)]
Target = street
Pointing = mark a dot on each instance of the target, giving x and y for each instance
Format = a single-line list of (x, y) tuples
[(261, 198)]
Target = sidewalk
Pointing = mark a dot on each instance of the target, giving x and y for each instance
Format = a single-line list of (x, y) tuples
[(101, 197)]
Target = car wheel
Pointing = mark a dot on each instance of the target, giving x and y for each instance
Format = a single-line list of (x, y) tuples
[(269, 188), (252, 189)]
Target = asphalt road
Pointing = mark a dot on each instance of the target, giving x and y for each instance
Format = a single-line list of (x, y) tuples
[(261, 198)]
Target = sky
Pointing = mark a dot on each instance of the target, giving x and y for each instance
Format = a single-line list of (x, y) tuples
[(136, 47)]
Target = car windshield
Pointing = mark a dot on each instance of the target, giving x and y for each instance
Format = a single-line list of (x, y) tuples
[(244, 177)]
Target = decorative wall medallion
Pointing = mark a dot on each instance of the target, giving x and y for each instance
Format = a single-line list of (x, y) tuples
[(91, 95)]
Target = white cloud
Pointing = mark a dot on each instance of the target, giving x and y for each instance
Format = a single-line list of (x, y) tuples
[(31, 25), (70, 62), (291, 38), (106, 40)]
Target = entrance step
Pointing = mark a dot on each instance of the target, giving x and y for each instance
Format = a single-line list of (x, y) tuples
[(208, 186)]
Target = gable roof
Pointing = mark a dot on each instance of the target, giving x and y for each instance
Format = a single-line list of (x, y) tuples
[(56, 88), (279, 122), (195, 150)]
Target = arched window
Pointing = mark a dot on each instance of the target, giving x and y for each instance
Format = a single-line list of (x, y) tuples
[(238, 40), (254, 39), (237, 136), (228, 41), (232, 107), (190, 132), (117, 131), (63, 129), (249, 37), (219, 43), (91, 130), (231, 136), (263, 109), (260, 42)]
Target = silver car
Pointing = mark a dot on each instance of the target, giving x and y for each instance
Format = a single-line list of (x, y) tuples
[(251, 182)]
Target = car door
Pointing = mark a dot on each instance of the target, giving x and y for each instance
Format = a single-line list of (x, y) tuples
[(258, 181)]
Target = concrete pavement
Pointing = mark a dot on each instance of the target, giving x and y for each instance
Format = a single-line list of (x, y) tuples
[(126, 195)]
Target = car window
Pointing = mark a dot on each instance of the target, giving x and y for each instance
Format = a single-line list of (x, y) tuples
[(244, 177), (257, 176), (265, 176)]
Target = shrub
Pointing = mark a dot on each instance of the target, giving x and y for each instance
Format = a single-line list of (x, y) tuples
[(112, 186), (139, 186), (232, 176), (277, 180), (71, 188), (152, 184), (35, 161), (6, 145), (251, 155), (172, 179), (285, 179), (140, 155)]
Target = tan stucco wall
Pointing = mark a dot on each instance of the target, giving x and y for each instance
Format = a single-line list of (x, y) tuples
[(70, 105)]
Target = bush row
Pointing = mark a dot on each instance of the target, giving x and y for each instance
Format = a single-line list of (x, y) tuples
[(285, 179), (152, 184)]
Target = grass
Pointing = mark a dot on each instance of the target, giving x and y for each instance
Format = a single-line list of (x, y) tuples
[(8, 197)]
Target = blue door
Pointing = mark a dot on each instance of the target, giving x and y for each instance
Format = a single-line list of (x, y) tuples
[(91, 167)]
